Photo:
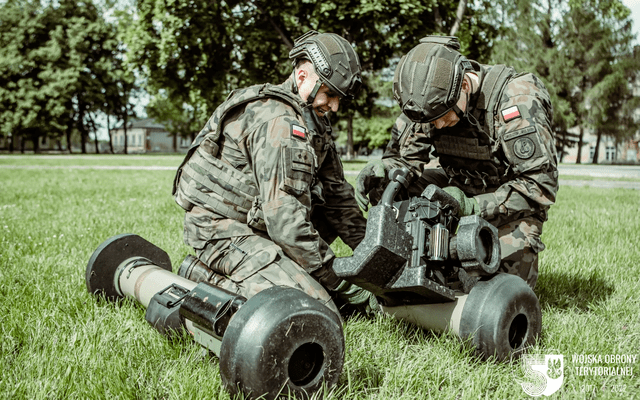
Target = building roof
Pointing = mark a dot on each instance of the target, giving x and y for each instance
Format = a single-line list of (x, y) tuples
[(146, 123)]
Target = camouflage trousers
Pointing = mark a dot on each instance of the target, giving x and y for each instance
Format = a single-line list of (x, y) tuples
[(519, 245), (247, 265), (519, 240)]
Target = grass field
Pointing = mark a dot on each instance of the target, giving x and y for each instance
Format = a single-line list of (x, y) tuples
[(59, 342)]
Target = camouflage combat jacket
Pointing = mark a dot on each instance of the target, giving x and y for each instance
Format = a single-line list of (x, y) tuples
[(507, 160), (273, 158)]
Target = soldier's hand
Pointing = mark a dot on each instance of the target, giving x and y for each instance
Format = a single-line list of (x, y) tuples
[(468, 205), (357, 296), (372, 176)]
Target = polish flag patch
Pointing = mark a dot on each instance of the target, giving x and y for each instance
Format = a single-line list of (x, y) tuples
[(510, 113), (298, 131)]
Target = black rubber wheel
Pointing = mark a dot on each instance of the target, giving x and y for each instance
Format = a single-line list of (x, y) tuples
[(111, 253), (502, 316), (281, 341)]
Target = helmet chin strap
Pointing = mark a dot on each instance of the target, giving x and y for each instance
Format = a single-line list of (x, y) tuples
[(466, 114), (314, 92)]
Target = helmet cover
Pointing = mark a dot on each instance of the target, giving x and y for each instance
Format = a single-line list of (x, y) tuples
[(428, 79), (333, 58)]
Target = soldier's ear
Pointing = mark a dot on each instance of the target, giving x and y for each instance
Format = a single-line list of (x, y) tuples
[(466, 84), (301, 75)]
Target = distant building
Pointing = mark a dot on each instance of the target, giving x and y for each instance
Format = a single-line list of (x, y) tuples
[(610, 152), (148, 136), (45, 143)]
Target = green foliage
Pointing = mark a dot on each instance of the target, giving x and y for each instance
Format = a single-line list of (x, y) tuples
[(583, 51), (372, 132), (183, 50), (62, 63), (193, 53), (58, 66)]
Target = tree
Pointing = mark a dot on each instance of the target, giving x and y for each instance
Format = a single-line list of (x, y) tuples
[(582, 51), (56, 63), (30, 76), (193, 53), (185, 53)]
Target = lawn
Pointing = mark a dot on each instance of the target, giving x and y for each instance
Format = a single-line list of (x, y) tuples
[(59, 342)]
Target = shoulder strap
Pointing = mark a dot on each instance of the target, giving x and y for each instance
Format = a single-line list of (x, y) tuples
[(491, 92), (237, 98)]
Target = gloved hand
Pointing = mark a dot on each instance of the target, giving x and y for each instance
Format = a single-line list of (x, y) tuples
[(356, 296), (468, 205), (353, 295), (326, 277), (372, 176)]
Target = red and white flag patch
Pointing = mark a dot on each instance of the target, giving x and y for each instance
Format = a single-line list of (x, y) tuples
[(510, 113), (298, 131)]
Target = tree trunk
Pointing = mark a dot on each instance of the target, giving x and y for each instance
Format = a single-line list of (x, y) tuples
[(11, 146), (95, 141), (110, 136), (580, 138), (83, 142), (36, 143), (437, 18), (283, 36), (561, 152), (126, 137), (83, 133), (350, 153), (596, 152), (68, 136), (462, 7)]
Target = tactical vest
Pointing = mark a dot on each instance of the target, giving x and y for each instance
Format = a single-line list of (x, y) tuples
[(203, 179), (469, 155)]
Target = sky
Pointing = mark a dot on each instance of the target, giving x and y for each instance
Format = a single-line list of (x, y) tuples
[(634, 6)]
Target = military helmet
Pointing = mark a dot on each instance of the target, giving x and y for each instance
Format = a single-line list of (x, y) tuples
[(335, 61), (428, 79)]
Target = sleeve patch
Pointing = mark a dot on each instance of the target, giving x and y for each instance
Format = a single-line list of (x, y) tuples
[(510, 113), (523, 144), (298, 164), (298, 131)]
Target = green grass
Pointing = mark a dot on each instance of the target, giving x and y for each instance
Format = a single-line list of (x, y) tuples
[(598, 178), (59, 342), (62, 160), (354, 165)]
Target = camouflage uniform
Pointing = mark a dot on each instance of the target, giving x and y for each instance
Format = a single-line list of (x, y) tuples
[(258, 229), (510, 168)]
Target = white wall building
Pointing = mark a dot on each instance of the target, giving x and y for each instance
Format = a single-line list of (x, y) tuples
[(148, 136), (610, 152)]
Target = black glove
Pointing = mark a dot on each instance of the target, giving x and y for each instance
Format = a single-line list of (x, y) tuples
[(372, 176), (363, 300)]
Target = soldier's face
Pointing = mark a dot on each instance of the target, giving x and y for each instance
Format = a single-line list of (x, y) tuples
[(448, 120), (326, 100), (451, 118)]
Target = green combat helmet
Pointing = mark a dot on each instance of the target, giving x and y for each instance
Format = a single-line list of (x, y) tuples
[(428, 78), (334, 59)]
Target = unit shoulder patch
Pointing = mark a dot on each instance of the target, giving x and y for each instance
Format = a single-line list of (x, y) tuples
[(524, 144), (524, 148)]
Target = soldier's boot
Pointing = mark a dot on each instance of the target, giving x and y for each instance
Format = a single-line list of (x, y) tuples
[(195, 270)]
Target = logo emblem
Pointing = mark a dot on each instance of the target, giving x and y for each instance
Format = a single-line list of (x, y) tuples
[(542, 374), (524, 148)]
